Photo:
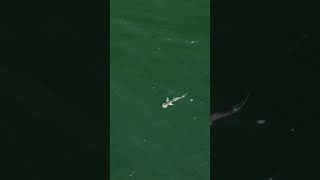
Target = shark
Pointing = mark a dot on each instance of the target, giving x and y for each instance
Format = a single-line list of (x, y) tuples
[(234, 110), (170, 102)]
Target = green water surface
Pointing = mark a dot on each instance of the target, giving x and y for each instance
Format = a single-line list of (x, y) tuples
[(159, 49)]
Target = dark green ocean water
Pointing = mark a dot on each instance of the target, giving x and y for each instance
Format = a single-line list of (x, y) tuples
[(159, 49)]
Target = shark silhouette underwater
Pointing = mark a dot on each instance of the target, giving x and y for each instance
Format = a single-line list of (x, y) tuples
[(235, 109)]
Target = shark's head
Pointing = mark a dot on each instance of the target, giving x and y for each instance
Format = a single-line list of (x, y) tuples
[(164, 105)]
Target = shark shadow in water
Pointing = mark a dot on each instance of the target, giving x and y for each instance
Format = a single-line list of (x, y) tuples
[(235, 109)]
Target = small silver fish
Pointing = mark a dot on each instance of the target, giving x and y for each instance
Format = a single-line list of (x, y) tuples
[(261, 121), (170, 102)]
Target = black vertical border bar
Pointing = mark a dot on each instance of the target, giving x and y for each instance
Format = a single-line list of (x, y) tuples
[(108, 90), (55, 90)]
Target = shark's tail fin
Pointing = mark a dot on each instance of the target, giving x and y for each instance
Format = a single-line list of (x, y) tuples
[(242, 103)]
